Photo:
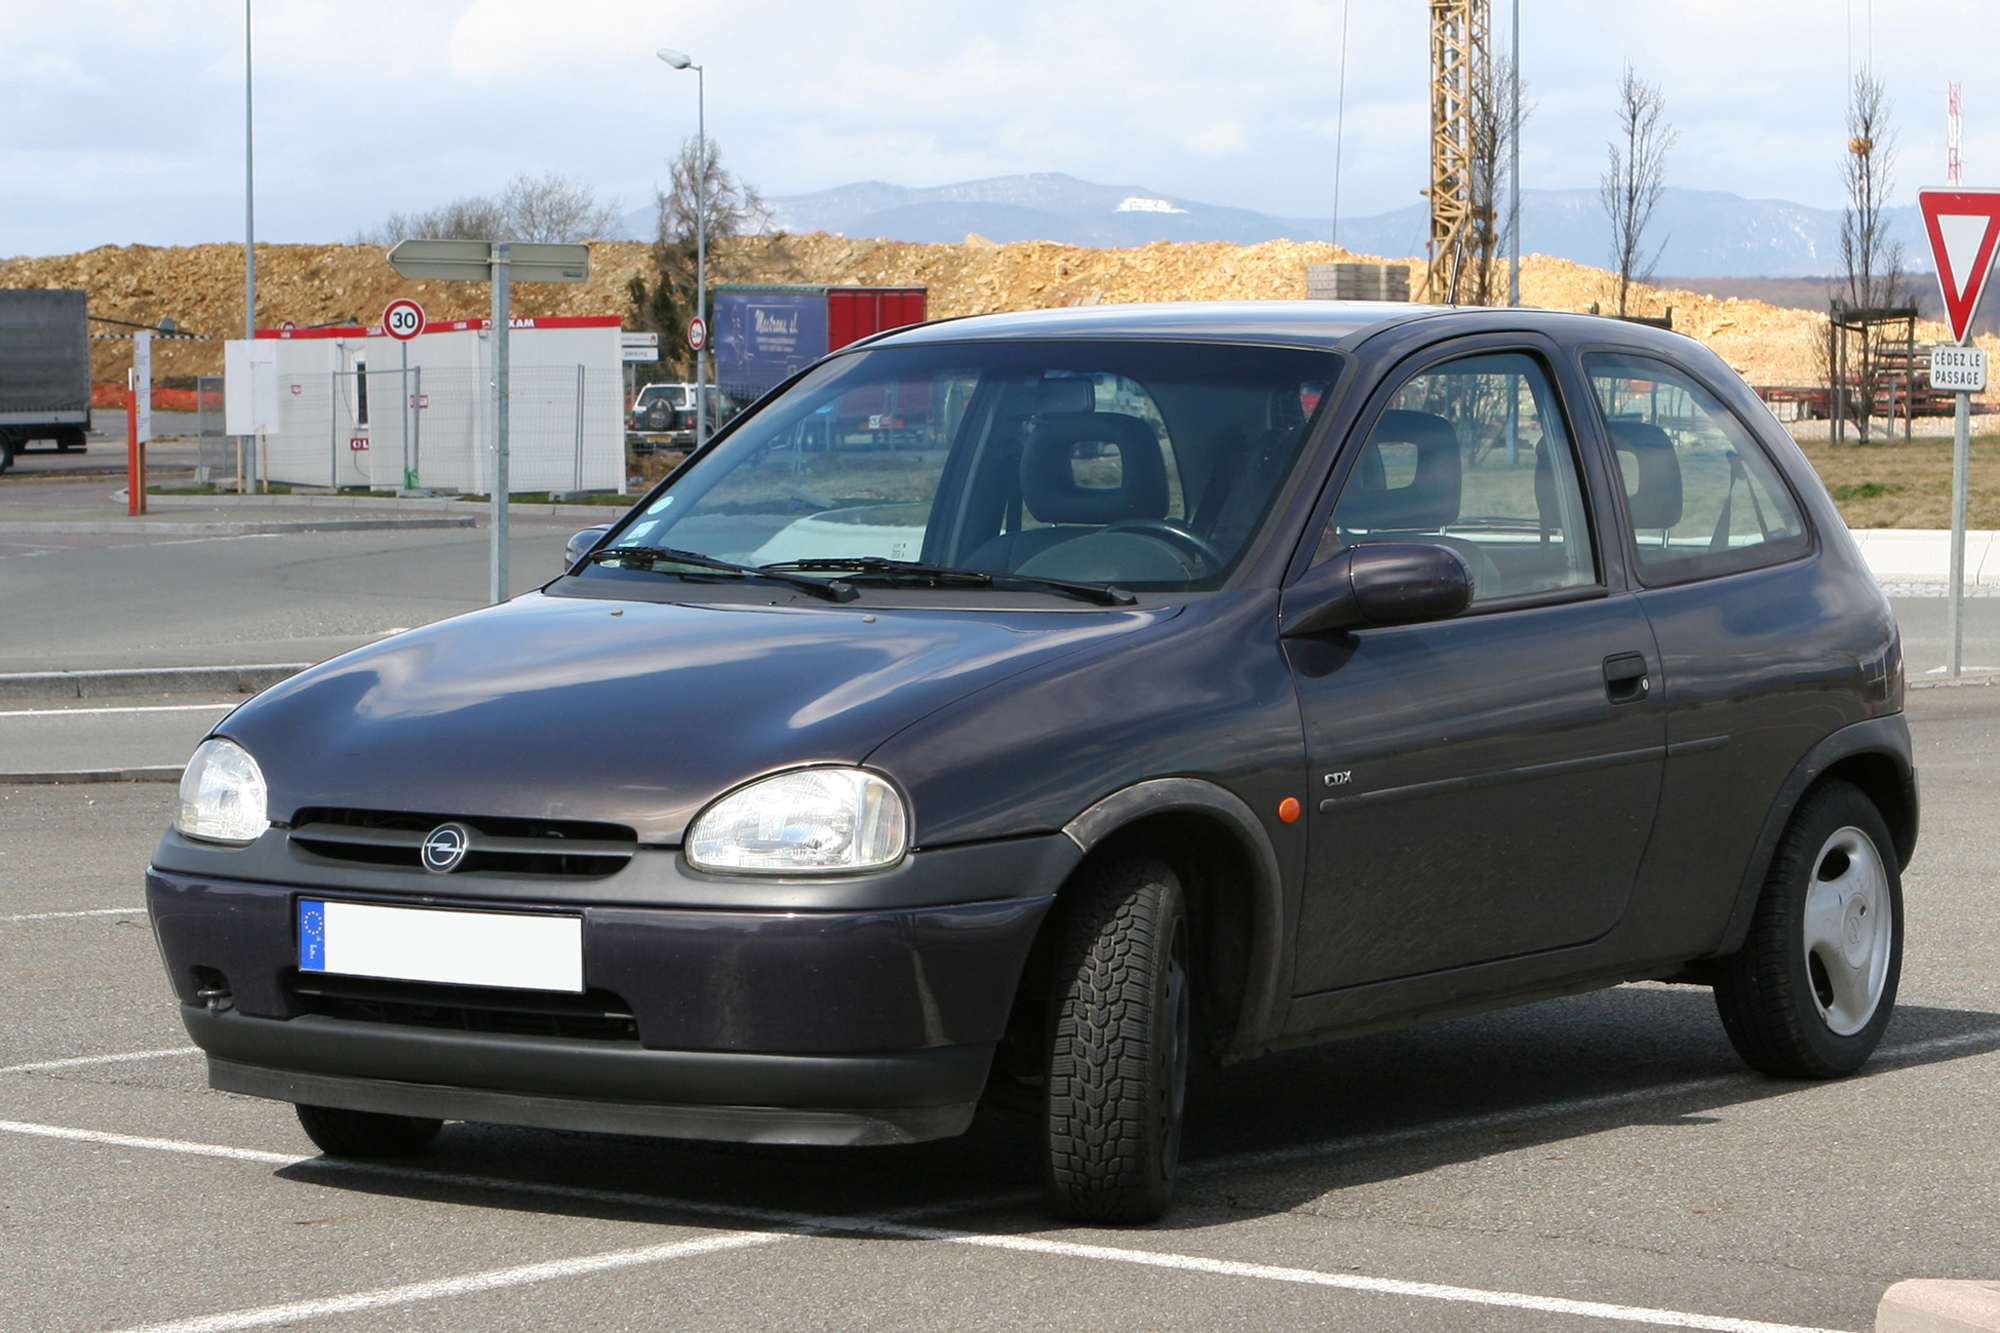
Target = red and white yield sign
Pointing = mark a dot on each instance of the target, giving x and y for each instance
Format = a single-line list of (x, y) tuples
[(403, 319), (1964, 226)]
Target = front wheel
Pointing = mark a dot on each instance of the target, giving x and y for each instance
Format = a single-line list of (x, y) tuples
[(1813, 987), (342, 1133), (1118, 1052)]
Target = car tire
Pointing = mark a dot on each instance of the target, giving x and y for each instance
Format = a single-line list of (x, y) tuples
[(69, 440), (1118, 1044), (342, 1133), (6, 451), (1813, 987)]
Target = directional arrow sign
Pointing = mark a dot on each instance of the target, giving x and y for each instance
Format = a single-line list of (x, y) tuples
[(472, 261), (1964, 226)]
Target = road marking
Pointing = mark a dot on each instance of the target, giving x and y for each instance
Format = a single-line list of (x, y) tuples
[(181, 1146), (1250, 1161), (492, 1280), (58, 916), (893, 1224), (77, 1061), (815, 1224), (144, 708)]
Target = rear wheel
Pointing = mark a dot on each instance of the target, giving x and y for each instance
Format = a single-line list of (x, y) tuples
[(6, 450), (1118, 1052), (1814, 985), (69, 439), (343, 1133)]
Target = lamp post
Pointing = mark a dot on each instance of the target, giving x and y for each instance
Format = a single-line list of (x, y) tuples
[(678, 60)]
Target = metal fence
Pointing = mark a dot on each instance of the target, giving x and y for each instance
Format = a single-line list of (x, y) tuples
[(216, 455)]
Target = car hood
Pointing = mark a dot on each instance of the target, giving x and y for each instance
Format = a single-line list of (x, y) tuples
[(636, 713)]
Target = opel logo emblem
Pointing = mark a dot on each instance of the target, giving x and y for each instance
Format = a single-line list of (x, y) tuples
[(445, 846)]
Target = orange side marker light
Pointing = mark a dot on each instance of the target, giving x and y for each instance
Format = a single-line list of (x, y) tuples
[(1288, 810)]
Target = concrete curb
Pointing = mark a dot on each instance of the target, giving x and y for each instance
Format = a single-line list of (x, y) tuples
[(247, 529), (1947, 683), (1926, 1305), (146, 680), (438, 505), (164, 773)]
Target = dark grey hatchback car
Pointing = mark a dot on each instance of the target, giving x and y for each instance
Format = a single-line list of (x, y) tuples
[(1016, 710)]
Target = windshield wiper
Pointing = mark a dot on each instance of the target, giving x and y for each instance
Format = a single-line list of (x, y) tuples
[(1101, 593), (833, 590)]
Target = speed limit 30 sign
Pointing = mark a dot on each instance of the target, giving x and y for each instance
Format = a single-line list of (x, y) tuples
[(403, 320)]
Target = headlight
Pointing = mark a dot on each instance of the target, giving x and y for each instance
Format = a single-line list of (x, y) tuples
[(811, 821), (222, 794)]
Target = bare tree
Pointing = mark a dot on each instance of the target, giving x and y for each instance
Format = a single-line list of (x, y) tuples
[(1871, 263), (1635, 178), (1493, 132), (740, 244), (554, 208), (548, 208)]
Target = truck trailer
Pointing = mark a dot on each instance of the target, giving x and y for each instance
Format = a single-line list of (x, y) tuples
[(44, 370), (765, 334)]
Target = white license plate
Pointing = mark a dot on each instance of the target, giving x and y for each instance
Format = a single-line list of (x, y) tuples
[(512, 950)]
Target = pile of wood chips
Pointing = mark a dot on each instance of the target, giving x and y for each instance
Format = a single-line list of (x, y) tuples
[(201, 288)]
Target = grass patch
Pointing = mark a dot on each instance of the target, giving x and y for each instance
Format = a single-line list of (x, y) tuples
[(1867, 490), (1906, 485)]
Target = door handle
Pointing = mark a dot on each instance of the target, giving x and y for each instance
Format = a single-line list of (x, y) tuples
[(1626, 679)]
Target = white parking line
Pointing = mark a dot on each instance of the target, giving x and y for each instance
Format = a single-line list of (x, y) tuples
[(411, 1292), (137, 708), (814, 1224), (58, 916), (77, 1061)]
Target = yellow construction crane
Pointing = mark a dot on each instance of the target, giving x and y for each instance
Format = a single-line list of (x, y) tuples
[(1461, 224)]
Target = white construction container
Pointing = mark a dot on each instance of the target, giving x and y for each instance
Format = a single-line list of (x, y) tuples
[(359, 408)]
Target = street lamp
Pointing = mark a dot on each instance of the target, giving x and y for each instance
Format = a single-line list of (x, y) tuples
[(677, 60)]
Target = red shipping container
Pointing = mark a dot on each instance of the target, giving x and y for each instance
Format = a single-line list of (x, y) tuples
[(853, 313)]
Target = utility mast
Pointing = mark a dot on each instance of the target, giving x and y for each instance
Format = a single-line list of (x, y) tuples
[(1460, 31), (1954, 131)]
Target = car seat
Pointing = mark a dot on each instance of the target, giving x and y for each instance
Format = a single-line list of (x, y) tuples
[(1052, 494), (1653, 497), (1371, 510)]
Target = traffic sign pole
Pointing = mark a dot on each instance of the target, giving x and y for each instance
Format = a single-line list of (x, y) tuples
[(500, 263), (1961, 479), (1963, 227), (502, 310)]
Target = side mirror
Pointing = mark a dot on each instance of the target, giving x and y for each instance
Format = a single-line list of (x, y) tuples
[(1393, 583), (582, 545)]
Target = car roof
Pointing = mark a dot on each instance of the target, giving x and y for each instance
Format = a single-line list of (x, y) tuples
[(1316, 324), (1300, 323)]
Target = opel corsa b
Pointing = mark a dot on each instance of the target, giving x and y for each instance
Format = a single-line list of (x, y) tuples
[(1017, 710)]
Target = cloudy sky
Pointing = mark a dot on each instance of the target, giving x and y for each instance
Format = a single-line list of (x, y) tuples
[(123, 122)]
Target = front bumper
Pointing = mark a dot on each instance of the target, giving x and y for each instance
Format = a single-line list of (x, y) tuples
[(858, 1026)]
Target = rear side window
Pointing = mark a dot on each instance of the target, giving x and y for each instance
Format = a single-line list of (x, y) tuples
[(1701, 495), (1472, 454)]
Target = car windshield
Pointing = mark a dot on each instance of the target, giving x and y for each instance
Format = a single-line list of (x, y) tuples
[(1145, 465)]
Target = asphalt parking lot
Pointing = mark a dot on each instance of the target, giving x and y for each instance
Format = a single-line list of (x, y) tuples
[(1594, 1162), (1588, 1163)]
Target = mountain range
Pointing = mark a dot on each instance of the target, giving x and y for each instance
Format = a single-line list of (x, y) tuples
[(1706, 232)]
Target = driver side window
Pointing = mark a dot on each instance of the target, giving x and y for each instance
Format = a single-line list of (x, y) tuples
[(1472, 454)]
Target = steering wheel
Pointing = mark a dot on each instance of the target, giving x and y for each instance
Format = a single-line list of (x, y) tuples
[(1174, 535)]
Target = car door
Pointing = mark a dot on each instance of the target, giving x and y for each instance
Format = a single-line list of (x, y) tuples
[(1482, 786)]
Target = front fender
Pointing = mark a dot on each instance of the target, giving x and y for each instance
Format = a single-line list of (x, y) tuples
[(1258, 1019)]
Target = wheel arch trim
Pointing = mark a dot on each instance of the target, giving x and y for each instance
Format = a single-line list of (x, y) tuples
[(1883, 738), (1256, 1019)]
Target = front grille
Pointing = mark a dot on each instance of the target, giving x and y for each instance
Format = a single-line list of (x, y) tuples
[(595, 1015), (545, 848)]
